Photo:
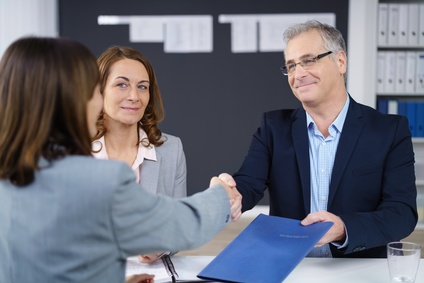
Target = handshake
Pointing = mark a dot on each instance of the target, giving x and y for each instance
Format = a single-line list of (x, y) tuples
[(227, 181)]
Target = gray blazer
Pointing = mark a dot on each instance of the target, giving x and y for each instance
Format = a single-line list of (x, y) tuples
[(168, 175), (165, 176), (82, 217)]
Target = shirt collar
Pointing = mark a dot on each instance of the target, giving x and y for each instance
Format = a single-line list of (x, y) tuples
[(143, 151), (338, 122)]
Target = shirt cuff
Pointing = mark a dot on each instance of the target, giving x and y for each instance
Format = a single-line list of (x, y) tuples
[(339, 245)]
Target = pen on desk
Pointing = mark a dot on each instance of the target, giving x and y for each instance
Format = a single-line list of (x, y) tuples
[(166, 259)]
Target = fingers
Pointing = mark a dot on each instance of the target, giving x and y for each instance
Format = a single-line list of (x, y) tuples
[(229, 184), (236, 205), (140, 278), (148, 258), (313, 218), (214, 181), (228, 179), (336, 233)]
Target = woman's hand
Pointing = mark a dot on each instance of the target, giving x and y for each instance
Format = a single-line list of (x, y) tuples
[(149, 258), (140, 278)]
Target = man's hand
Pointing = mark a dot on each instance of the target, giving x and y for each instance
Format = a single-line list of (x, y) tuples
[(336, 233)]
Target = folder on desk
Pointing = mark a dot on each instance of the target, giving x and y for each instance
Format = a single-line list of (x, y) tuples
[(267, 250)]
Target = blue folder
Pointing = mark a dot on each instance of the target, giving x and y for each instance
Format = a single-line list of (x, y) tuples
[(267, 250), (411, 110), (419, 120)]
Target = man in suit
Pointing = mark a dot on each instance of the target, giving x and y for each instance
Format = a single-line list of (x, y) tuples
[(332, 159)]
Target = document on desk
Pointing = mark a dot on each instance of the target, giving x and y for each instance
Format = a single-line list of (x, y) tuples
[(267, 250), (179, 269)]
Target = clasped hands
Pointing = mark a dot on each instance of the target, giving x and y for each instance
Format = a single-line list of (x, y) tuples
[(227, 181), (229, 184)]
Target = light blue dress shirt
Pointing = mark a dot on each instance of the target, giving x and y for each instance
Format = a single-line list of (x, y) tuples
[(322, 152)]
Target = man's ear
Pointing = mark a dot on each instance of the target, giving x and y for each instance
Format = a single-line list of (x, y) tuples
[(342, 62)]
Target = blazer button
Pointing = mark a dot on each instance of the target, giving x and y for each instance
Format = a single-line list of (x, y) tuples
[(358, 249), (228, 218)]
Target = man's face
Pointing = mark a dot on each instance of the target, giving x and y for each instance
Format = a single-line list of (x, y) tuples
[(317, 83)]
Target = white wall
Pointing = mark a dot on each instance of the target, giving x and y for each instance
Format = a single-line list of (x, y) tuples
[(20, 18), (362, 50)]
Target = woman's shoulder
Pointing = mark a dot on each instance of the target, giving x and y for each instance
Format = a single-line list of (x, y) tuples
[(170, 140), (171, 147), (87, 165), (166, 136)]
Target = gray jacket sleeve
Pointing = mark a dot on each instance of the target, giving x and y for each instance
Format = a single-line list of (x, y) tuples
[(146, 223)]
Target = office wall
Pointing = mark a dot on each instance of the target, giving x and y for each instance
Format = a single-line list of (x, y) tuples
[(213, 100), (26, 17)]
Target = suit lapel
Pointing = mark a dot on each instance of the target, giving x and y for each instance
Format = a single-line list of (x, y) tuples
[(149, 175), (351, 131), (301, 145)]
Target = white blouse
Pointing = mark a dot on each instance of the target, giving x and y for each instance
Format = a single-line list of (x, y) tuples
[(143, 153)]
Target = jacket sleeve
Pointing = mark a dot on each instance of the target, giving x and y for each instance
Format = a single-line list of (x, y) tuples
[(146, 223), (395, 215)]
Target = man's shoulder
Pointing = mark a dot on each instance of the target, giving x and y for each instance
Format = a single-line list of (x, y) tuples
[(375, 115)]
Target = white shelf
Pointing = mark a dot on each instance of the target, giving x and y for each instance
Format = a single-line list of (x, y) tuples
[(418, 140), (400, 94), (362, 69), (400, 46)]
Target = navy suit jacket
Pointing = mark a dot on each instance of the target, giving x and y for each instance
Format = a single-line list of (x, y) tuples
[(372, 185)]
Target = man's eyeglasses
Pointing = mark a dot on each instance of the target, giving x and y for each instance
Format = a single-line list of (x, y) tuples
[(305, 63)]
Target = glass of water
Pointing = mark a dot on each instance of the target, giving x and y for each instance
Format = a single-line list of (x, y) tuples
[(403, 259)]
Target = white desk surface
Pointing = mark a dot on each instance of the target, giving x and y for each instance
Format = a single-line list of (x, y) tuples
[(317, 270)]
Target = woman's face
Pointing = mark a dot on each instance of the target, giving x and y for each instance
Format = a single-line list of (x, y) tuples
[(126, 92), (94, 106)]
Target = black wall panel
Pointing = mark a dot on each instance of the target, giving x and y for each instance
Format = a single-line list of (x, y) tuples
[(213, 101)]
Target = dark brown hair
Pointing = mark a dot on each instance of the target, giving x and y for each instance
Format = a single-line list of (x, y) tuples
[(154, 112), (45, 84)]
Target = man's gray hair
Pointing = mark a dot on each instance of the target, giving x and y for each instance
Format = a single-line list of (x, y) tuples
[(332, 38)]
